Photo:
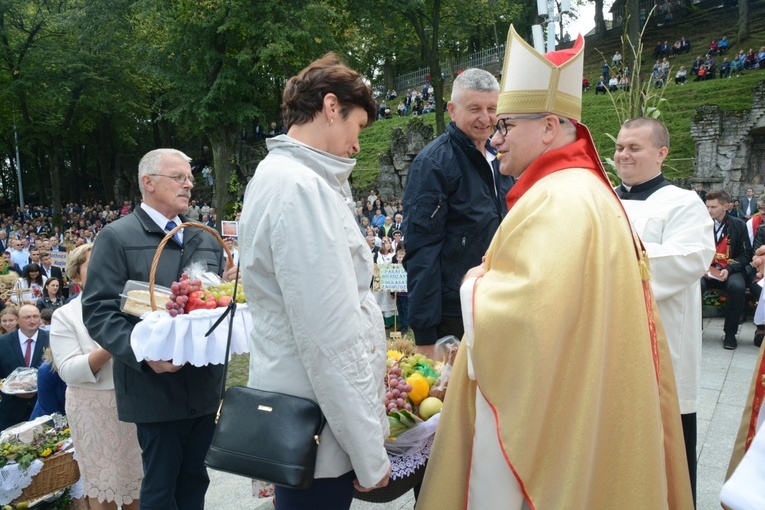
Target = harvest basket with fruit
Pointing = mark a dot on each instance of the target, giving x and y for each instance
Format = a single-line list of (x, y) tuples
[(176, 320), (37, 462), (415, 387)]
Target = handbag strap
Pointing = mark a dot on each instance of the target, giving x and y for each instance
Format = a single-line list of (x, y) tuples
[(231, 312)]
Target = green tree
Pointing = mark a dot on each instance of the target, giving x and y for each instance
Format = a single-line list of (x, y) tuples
[(600, 20), (743, 20), (446, 29), (425, 17), (221, 63), (67, 71)]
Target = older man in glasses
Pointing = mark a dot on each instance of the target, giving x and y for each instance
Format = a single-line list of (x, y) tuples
[(562, 394), (455, 200), (172, 406)]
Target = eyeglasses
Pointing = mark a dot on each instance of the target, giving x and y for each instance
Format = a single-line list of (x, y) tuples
[(501, 125), (179, 178)]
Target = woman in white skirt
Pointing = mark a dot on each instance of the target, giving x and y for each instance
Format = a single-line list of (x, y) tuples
[(107, 450), (385, 298)]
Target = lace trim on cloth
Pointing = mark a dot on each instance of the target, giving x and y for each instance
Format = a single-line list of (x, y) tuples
[(406, 464), (13, 480), (182, 339)]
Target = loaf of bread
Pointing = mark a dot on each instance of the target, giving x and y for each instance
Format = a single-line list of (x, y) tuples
[(138, 302), (21, 380)]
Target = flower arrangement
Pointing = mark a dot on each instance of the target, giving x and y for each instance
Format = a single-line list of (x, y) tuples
[(44, 444), (715, 299)]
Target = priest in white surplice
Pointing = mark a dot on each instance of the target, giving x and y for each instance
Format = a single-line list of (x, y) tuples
[(677, 233)]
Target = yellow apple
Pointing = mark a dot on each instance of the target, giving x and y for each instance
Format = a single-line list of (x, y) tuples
[(429, 407)]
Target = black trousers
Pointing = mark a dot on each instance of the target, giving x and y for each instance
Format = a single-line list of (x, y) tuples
[(173, 454), (323, 494), (735, 285), (690, 433), (451, 326)]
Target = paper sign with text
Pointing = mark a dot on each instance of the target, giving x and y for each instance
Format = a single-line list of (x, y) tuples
[(58, 259), (392, 278)]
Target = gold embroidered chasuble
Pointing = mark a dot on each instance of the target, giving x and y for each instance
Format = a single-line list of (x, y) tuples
[(747, 427), (564, 357)]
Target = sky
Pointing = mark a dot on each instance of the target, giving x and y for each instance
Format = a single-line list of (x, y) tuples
[(586, 21)]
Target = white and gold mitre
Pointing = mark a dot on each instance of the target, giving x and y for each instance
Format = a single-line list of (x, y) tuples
[(535, 83)]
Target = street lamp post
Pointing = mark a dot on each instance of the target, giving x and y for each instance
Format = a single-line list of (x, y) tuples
[(547, 8), (18, 166)]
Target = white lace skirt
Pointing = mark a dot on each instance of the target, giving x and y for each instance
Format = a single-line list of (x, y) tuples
[(387, 303), (107, 449)]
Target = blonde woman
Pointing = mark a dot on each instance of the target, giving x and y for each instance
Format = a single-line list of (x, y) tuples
[(9, 319), (107, 449)]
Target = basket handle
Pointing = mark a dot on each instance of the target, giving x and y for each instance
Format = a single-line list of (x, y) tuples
[(155, 262)]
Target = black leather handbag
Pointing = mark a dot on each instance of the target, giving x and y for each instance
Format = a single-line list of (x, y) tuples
[(264, 435)]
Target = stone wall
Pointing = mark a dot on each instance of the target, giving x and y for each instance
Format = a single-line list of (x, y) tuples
[(248, 157), (394, 165), (730, 147)]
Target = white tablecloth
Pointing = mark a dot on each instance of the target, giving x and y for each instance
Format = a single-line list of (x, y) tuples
[(182, 339)]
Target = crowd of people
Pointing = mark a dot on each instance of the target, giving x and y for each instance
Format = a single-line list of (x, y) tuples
[(715, 62), (44, 270), (534, 376), (415, 102), (382, 224)]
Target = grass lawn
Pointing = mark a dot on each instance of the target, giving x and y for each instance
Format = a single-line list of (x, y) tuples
[(598, 114), (238, 370)]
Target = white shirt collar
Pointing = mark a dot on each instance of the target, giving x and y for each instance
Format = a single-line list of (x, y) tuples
[(23, 341), (160, 219)]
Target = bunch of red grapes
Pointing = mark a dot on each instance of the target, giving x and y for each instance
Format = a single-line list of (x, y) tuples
[(396, 391), (180, 294)]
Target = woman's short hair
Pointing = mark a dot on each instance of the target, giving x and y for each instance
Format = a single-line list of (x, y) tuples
[(304, 93), (76, 259)]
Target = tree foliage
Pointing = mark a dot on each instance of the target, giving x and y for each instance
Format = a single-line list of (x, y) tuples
[(66, 72), (743, 20), (91, 85)]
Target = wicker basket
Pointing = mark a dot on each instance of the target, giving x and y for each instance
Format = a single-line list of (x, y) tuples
[(59, 471), (395, 488), (168, 237)]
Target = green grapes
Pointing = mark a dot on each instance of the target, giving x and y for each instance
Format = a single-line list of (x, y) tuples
[(227, 289)]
